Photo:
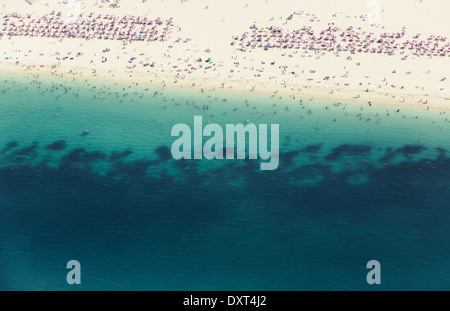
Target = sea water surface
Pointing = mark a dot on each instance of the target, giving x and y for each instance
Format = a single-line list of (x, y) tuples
[(86, 174)]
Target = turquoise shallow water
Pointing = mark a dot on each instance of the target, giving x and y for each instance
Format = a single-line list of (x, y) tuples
[(86, 173)]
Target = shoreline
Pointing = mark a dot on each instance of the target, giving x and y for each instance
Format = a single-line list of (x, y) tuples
[(310, 93), (334, 54)]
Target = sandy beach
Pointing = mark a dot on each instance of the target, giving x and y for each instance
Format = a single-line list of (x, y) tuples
[(340, 51)]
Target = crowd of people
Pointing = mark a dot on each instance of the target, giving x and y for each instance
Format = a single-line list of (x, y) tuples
[(335, 39), (108, 27)]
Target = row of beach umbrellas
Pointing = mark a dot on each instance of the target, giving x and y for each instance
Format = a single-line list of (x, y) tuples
[(337, 39), (102, 27)]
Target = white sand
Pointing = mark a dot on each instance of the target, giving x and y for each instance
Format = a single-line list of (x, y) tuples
[(415, 81)]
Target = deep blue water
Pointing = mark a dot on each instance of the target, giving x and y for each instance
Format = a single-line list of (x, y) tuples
[(114, 199)]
